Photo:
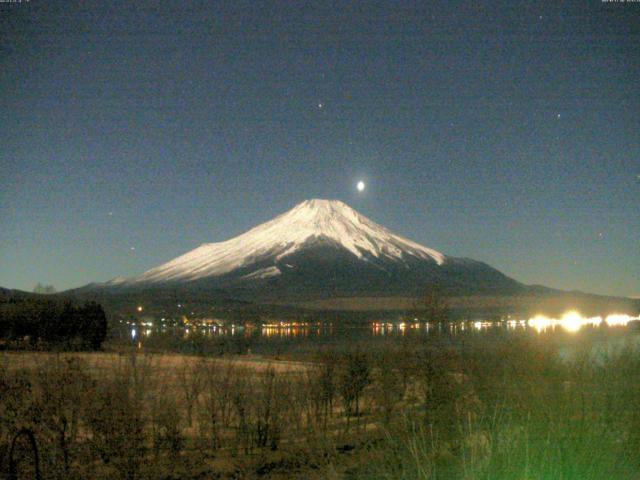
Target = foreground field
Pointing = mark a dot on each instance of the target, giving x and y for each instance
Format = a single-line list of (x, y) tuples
[(493, 408), (158, 365)]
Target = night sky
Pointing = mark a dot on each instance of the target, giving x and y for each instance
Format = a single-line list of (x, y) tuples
[(505, 131)]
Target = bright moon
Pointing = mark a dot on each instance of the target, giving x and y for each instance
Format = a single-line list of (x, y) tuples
[(360, 186)]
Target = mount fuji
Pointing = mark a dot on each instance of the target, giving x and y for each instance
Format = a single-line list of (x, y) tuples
[(319, 249)]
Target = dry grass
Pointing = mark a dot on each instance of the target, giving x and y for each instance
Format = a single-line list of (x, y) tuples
[(495, 408), (168, 363)]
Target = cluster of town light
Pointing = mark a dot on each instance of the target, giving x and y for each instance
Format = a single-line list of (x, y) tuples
[(571, 321)]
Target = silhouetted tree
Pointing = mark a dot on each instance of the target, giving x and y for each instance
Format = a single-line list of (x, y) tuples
[(434, 303), (93, 327), (53, 322), (47, 289), (354, 377)]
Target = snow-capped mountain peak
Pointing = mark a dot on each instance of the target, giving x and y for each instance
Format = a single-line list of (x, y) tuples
[(328, 220)]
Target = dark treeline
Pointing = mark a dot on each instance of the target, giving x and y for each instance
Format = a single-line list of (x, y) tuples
[(36, 322)]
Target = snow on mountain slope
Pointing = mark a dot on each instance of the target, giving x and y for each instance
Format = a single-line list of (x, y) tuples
[(313, 219)]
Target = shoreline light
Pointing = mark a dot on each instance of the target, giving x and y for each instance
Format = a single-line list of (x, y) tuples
[(617, 319), (573, 321)]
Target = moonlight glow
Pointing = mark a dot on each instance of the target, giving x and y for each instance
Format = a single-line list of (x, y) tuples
[(360, 186)]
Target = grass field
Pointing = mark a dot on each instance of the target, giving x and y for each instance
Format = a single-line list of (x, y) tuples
[(168, 364), (505, 407)]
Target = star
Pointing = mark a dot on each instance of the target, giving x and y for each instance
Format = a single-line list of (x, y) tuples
[(320, 105), (360, 186), (558, 116), (132, 248)]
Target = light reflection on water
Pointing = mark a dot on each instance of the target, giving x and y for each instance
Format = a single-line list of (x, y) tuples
[(569, 322), (573, 321)]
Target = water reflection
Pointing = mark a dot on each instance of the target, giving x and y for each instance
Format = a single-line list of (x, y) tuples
[(571, 321), (617, 320), (296, 329)]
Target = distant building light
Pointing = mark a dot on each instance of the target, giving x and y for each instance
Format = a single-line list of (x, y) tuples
[(140, 308)]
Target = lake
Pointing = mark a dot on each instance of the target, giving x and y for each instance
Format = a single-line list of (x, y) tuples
[(568, 333)]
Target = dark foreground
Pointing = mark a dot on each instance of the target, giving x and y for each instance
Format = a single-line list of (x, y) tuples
[(501, 406)]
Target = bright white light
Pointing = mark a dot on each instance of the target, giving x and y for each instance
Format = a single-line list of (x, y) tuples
[(360, 186), (133, 333), (540, 323), (571, 321), (615, 319)]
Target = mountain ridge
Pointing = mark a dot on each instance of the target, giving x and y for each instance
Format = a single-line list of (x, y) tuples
[(317, 252), (318, 249), (284, 235)]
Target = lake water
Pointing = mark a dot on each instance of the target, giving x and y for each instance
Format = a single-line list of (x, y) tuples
[(601, 334)]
